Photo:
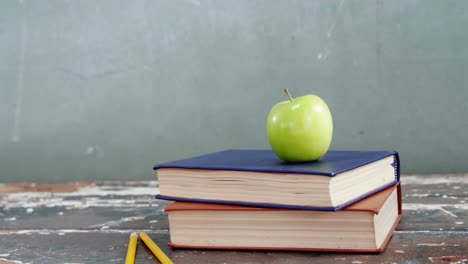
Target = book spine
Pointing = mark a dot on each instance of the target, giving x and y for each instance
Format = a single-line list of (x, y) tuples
[(396, 165)]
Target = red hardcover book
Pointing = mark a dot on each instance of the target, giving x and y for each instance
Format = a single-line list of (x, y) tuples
[(365, 226)]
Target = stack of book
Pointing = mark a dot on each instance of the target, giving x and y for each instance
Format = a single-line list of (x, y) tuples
[(249, 199)]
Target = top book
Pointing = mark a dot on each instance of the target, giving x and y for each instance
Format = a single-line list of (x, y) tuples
[(258, 178)]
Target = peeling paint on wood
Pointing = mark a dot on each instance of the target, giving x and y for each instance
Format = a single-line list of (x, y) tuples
[(449, 259), (41, 187), (90, 223), (81, 195), (5, 261), (74, 231), (441, 207), (435, 179)]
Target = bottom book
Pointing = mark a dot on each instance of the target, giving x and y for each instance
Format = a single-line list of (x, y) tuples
[(365, 226)]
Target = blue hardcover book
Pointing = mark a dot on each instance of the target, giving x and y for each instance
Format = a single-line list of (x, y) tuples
[(259, 178)]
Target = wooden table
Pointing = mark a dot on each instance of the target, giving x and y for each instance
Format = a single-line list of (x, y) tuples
[(90, 222)]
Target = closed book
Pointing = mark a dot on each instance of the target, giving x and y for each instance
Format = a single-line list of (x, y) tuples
[(365, 226), (258, 178)]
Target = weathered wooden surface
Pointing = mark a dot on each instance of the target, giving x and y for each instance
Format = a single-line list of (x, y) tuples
[(91, 222)]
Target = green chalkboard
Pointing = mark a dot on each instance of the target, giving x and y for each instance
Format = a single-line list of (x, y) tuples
[(105, 89)]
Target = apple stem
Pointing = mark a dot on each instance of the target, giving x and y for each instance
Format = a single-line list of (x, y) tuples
[(288, 94)]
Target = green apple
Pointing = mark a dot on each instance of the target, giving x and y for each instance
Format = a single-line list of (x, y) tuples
[(300, 129)]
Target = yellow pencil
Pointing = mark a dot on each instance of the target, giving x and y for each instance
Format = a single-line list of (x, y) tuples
[(155, 249), (132, 245)]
